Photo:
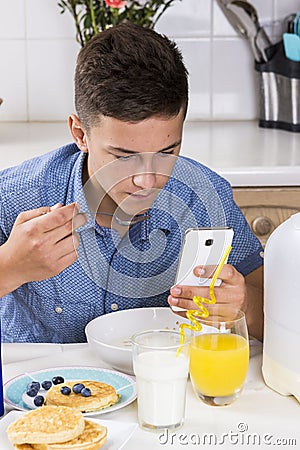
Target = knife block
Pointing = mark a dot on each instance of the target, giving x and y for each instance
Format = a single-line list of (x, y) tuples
[(279, 91)]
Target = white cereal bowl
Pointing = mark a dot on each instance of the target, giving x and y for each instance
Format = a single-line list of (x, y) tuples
[(109, 336)]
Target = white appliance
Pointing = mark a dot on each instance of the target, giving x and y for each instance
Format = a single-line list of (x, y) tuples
[(281, 351)]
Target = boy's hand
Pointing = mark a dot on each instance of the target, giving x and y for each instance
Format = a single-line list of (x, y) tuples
[(232, 290), (42, 243)]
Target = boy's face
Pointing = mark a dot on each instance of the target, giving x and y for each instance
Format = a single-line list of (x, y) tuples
[(131, 162)]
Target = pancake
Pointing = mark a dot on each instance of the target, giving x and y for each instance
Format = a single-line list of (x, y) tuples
[(46, 425), (23, 447), (103, 395), (93, 437)]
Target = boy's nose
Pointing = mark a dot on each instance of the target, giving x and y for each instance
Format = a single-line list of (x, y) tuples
[(145, 180)]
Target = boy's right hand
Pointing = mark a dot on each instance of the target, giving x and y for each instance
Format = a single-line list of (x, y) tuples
[(42, 243)]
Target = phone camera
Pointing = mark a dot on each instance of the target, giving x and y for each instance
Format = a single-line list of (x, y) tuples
[(209, 242)]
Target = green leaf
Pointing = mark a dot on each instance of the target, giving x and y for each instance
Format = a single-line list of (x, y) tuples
[(92, 16)]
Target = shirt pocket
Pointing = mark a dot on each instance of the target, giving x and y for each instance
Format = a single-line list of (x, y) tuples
[(65, 315)]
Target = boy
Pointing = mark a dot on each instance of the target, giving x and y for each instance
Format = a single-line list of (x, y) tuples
[(124, 188)]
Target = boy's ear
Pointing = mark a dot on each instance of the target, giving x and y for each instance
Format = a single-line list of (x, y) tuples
[(78, 132)]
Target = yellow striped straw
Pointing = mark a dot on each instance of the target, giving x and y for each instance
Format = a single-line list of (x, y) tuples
[(202, 312)]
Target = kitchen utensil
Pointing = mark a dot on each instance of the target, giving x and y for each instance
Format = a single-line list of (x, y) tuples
[(262, 43), (281, 362), (246, 15), (236, 24), (279, 91), (296, 24), (288, 23), (291, 44)]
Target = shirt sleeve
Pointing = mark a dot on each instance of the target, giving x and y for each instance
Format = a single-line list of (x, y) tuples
[(247, 251)]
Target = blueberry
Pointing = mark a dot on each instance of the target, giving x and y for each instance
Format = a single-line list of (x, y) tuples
[(46, 385), (77, 388), (65, 390), (34, 385), (39, 400), (32, 392), (86, 392), (58, 380)]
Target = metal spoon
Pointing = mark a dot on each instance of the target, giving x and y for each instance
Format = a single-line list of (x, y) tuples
[(257, 36), (236, 24), (288, 23), (262, 43), (249, 21)]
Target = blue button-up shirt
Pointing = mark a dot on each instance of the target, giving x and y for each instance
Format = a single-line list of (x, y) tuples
[(111, 272)]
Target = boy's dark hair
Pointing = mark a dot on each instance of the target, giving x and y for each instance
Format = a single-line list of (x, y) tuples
[(130, 73)]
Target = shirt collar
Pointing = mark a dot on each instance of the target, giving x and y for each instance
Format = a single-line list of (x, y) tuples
[(78, 192)]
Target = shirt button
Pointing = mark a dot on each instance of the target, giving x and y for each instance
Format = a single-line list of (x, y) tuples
[(58, 310), (261, 254), (114, 306)]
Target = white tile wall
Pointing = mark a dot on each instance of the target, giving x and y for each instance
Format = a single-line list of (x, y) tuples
[(13, 87), (199, 72), (187, 18), (12, 19), (38, 52), (233, 83), (44, 21), (51, 64)]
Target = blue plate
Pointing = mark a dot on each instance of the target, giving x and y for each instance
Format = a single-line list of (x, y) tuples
[(14, 388)]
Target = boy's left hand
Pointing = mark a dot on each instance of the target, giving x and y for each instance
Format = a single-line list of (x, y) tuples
[(232, 290)]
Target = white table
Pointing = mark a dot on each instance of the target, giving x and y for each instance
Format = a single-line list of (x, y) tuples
[(259, 415)]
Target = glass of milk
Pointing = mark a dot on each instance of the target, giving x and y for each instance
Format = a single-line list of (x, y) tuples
[(161, 372)]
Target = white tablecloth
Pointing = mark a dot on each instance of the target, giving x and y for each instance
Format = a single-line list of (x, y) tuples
[(259, 416)]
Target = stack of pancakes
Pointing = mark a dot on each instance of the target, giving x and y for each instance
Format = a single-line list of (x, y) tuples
[(102, 395), (56, 428)]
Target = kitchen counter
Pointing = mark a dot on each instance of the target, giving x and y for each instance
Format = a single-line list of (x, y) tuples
[(260, 418), (242, 152)]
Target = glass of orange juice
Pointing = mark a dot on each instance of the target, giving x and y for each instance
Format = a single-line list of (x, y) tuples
[(219, 355)]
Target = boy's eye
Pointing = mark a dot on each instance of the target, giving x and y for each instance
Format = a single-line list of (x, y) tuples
[(124, 158), (165, 153)]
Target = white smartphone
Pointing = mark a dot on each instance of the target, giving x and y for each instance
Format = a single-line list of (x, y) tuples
[(201, 247)]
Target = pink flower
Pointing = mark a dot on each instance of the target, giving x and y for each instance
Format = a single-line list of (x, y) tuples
[(115, 3)]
